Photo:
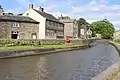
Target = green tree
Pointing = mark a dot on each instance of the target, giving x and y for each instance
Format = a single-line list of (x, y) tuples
[(103, 27), (82, 21)]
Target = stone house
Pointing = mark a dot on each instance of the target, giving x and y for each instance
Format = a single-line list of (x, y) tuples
[(49, 26), (17, 27), (84, 31), (70, 27)]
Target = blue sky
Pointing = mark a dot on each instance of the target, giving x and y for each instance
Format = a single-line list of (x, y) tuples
[(91, 10)]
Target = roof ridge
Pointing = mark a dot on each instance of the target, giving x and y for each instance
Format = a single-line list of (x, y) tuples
[(48, 16)]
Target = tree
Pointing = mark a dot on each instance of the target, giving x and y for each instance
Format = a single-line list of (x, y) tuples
[(82, 21), (103, 27)]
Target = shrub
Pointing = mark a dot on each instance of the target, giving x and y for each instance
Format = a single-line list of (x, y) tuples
[(41, 42)]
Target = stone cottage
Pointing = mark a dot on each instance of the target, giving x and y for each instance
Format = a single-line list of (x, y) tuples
[(17, 27), (70, 27), (49, 26)]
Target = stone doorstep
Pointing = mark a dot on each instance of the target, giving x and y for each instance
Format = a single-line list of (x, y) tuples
[(105, 73)]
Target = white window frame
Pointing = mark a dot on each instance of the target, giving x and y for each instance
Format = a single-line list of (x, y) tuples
[(15, 24)]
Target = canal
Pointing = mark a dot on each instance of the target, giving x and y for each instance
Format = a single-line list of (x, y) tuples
[(75, 65)]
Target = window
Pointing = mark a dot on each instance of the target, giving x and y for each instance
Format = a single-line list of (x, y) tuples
[(15, 24), (14, 35), (48, 33)]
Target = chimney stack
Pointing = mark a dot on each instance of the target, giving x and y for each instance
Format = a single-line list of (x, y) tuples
[(1, 10), (41, 9), (30, 6)]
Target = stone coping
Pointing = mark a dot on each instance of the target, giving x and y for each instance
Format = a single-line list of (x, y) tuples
[(107, 72)]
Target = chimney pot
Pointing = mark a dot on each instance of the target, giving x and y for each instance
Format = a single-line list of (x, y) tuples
[(30, 6), (41, 9)]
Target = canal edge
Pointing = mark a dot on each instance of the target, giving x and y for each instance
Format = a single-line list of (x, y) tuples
[(32, 52), (112, 69)]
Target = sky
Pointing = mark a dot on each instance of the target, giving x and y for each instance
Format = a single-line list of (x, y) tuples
[(91, 10)]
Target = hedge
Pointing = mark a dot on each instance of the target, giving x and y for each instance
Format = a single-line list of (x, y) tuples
[(39, 42)]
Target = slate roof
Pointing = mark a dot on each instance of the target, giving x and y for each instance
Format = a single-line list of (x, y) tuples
[(48, 16), (17, 18)]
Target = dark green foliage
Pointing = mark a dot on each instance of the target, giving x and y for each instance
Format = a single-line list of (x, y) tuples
[(103, 27), (30, 42), (82, 21), (40, 42)]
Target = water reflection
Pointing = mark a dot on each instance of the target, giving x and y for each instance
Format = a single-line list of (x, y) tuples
[(41, 72), (24, 68)]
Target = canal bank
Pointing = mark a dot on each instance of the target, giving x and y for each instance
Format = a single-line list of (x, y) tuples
[(113, 72), (73, 65), (41, 51), (39, 47)]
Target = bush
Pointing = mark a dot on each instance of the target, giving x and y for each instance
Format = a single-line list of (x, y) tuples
[(32, 42), (40, 42)]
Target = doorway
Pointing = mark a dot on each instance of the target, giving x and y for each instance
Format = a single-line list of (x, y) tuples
[(14, 35)]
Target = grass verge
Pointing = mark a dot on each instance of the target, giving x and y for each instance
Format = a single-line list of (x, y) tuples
[(115, 75), (12, 48)]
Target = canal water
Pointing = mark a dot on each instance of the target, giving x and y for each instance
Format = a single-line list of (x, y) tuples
[(75, 65)]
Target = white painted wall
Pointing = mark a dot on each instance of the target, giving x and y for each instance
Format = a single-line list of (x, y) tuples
[(37, 17)]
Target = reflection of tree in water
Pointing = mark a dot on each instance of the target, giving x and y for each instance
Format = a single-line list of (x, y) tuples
[(41, 70)]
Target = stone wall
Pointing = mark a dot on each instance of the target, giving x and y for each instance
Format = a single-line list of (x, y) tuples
[(54, 30), (27, 30), (68, 30), (5, 30)]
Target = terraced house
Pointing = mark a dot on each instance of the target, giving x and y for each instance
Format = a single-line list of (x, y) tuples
[(49, 26), (70, 27), (17, 27)]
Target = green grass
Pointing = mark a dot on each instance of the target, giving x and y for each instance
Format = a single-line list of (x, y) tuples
[(115, 75), (33, 47)]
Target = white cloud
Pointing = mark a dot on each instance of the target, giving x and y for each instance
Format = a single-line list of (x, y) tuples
[(94, 11), (43, 1)]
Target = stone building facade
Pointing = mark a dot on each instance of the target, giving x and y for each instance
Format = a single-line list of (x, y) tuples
[(17, 27), (54, 30), (49, 26), (70, 27)]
